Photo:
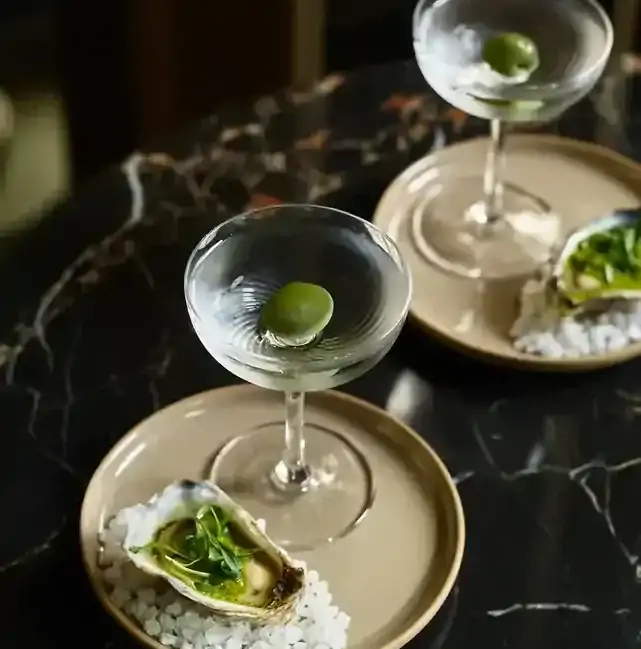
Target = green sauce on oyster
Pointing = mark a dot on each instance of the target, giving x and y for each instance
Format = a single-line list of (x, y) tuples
[(211, 556), (605, 264)]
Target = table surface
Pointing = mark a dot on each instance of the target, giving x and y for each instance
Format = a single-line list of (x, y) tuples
[(94, 337)]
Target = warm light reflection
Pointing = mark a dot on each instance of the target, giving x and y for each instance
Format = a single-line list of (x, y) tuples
[(130, 458), (191, 414), (408, 393)]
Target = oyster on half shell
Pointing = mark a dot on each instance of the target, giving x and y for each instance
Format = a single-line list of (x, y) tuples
[(212, 551), (601, 261)]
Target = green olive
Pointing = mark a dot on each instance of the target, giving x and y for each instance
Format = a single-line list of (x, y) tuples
[(511, 54), (298, 311)]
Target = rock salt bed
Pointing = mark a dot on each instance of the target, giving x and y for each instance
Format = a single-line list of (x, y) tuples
[(541, 331)]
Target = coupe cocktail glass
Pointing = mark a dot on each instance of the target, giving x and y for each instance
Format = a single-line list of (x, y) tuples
[(504, 61), (311, 484)]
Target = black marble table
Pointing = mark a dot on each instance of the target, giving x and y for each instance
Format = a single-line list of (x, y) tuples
[(94, 337)]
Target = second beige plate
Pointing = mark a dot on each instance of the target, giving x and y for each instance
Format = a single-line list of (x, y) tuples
[(391, 574), (580, 181)]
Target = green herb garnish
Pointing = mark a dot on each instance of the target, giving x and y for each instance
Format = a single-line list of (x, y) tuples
[(201, 552), (604, 262), (298, 312), (511, 54)]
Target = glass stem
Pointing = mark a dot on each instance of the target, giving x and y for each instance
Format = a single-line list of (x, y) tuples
[(493, 176), (292, 473)]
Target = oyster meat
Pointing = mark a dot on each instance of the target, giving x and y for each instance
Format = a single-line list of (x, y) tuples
[(601, 261), (212, 551)]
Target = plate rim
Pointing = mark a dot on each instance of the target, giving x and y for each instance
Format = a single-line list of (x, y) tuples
[(455, 505), (523, 361)]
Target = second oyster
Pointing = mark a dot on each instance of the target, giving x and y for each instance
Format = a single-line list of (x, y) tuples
[(213, 552), (602, 261)]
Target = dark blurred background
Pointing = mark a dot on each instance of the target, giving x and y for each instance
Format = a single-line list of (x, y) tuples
[(82, 84)]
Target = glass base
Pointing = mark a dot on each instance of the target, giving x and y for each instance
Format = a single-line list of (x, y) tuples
[(336, 497), (451, 230)]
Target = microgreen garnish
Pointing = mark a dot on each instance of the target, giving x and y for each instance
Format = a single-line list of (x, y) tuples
[(610, 259), (200, 551)]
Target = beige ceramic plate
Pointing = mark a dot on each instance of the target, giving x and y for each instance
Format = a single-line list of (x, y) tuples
[(391, 595), (580, 181)]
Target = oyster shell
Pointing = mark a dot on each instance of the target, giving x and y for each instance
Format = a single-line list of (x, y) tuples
[(601, 261), (269, 583)]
